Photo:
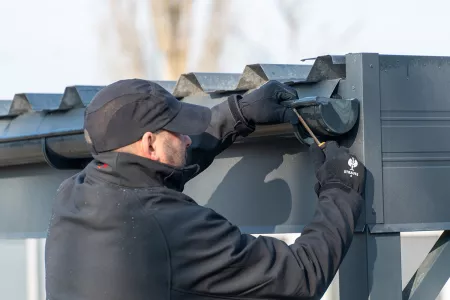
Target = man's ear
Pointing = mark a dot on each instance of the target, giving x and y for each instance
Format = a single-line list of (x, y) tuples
[(148, 144)]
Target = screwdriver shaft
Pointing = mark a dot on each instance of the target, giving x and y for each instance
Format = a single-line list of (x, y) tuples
[(308, 129)]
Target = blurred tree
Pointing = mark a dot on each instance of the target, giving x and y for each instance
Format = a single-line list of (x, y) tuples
[(129, 61), (170, 22), (289, 10)]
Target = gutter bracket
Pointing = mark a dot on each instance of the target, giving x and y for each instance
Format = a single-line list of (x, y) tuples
[(61, 162)]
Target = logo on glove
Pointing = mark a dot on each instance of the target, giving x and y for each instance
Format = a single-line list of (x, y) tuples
[(353, 163)]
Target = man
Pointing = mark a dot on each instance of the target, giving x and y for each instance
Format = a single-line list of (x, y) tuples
[(123, 229)]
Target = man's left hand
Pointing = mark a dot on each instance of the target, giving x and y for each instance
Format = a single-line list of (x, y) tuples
[(262, 106)]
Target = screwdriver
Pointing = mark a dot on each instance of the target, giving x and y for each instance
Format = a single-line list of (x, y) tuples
[(316, 140)]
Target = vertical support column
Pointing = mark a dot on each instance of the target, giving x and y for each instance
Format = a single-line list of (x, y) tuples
[(353, 280), (363, 83), (372, 268), (384, 266)]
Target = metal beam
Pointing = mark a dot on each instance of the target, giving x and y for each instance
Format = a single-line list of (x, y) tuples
[(372, 268), (432, 274)]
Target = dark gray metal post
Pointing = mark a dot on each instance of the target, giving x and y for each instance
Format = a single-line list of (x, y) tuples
[(353, 280), (372, 268), (362, 82)]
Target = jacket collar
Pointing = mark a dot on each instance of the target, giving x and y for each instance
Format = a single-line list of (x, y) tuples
[(130, 170)]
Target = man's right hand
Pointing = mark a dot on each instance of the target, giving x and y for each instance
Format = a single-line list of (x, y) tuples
[(334, 165)]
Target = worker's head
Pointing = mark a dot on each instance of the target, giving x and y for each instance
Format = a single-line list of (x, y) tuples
[(140, 117)]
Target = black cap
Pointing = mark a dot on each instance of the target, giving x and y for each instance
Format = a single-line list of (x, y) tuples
[(122, 112)]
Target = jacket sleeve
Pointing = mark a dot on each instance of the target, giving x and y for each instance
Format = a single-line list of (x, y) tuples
[(227, 123), (226, 263)]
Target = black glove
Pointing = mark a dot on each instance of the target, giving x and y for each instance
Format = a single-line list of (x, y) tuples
[(262, 106), (336, 167)]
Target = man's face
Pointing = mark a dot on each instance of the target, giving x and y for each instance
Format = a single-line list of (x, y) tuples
[(171, 148)]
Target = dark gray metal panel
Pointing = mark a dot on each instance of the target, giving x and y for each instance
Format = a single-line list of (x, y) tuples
[(414, 83), (264, 186), (362, 83), (417, 192), (372, 268), (416, 148), (433, 272), (27, 198)]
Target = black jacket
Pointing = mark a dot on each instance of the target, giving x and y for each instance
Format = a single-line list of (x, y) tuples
[(123, 229)]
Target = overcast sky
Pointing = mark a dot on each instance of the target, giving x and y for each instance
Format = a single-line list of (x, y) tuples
[(49, 44)]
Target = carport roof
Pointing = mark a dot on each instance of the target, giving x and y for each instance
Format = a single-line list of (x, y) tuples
[(32, 115)]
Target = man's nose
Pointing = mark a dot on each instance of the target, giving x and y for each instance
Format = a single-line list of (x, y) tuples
[(187, 140)]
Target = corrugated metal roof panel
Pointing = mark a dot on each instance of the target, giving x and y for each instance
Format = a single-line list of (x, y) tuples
[(4, 123), (166, 84), (79, 95), (23, 126), (62, 122), (19, 105), (200, 83), (258, 74), (32, 115), (38, 102), (4, 107), (327, 67), (37, 124)]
